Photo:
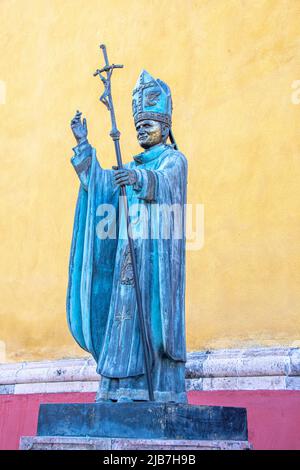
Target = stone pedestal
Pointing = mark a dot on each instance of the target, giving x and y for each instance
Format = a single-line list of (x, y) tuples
[(87, 443), (144, 425)]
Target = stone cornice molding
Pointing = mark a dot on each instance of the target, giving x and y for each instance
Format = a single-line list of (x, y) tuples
[(226, 369)]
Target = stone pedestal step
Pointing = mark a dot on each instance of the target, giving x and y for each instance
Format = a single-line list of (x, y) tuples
[(87, 443)]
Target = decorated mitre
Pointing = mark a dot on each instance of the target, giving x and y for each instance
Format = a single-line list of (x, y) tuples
[(151, 99)]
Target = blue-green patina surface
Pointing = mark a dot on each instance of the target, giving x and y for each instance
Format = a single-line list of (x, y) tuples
[(101, 300), (101, 303)]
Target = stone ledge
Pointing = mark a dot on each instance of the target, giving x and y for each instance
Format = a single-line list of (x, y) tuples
[(226, 369), (62, 370), (244, 362), (87, 443)]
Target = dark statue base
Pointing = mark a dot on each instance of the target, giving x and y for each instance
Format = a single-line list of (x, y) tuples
[(125, 422)]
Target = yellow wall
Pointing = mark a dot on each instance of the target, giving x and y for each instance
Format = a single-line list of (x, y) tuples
[(230, 65)]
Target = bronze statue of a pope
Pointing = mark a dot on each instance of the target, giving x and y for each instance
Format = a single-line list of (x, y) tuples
[(102, 305)]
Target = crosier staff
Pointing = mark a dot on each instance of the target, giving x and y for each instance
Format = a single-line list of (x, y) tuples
[(106, 99)]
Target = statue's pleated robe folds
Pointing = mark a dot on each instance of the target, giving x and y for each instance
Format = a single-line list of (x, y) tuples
[(101, 301)]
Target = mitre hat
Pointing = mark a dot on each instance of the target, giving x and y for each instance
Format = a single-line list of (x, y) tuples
[(151, 99)]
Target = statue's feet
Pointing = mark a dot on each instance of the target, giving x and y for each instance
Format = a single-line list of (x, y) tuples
[(125, 400), (104, 400)]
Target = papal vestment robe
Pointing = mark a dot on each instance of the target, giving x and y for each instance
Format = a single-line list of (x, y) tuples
[(101, 301)]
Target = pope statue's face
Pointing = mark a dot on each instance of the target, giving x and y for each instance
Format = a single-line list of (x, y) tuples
[(149, 133)]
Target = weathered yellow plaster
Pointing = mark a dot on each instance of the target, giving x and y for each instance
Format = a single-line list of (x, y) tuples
[(231, 65)]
